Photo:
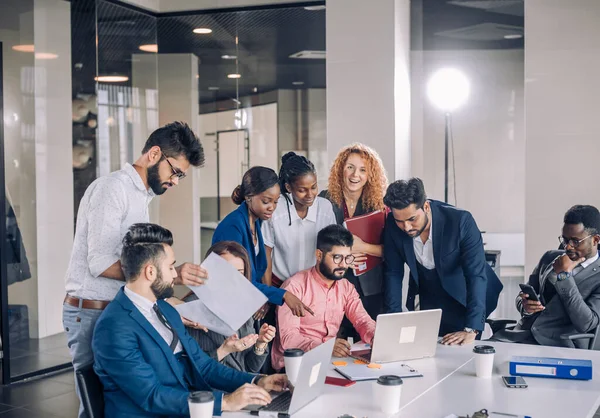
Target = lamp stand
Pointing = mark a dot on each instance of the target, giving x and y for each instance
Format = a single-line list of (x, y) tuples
[(446, 140)]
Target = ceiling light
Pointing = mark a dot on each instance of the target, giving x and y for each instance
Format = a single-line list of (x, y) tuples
[(149, 48), (23, 48), (229, 57), (212, 88), (45, 56), (234, 76), (315, 55), (314, 8), (202, 31), (111, 78), (513, 36), (298, 83)]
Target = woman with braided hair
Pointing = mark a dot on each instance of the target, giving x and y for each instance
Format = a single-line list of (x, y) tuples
[(291, 234)]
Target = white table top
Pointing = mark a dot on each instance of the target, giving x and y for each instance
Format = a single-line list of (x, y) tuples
[(449, 386), (463, 393)]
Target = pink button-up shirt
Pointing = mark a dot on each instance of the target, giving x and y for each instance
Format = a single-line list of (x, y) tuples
[(329, 305)]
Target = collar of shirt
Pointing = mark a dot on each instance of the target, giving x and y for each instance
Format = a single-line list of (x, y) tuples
[(140, 302), (310, 216), (137, 180), (318, 279), (589, 261)]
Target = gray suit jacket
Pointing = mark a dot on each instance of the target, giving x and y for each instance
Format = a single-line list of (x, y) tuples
[(575, 308)]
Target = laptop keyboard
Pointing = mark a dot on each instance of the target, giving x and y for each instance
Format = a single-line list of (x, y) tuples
[(280, 403)]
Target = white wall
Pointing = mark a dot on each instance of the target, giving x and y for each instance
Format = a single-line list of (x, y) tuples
[(562, 85), (489, 141), (316, 115), (368, 89)]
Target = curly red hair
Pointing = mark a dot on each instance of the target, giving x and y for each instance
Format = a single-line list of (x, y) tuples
[(374, 190)]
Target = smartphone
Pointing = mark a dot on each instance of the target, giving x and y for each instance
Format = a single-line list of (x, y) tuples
[(530, 291), (338, 381), (514, 382)]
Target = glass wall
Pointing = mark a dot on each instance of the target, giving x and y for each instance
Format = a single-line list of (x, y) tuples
[(486, 147)]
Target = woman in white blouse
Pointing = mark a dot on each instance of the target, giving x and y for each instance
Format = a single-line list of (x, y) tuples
[(290, 236)]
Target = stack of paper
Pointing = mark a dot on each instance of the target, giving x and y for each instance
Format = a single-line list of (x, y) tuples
[(226, 300)]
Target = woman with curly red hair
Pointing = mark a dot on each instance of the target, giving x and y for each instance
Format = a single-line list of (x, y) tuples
[(357, 184)]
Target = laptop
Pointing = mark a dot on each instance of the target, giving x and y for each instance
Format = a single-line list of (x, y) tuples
[(404, 336), (309, 384)]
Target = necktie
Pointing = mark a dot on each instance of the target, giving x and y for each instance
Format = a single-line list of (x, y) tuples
[(164, 321)]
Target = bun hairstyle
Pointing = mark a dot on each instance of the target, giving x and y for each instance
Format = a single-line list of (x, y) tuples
[(255, 181), (293, 166)]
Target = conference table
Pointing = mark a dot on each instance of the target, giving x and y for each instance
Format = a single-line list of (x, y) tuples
[(449, 386)]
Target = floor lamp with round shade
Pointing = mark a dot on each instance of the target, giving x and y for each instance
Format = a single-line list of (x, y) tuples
[(448, 89)]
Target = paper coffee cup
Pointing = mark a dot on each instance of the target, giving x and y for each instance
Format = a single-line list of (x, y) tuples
[(484, 360), (387, 392), (292, 358), (201, 404)]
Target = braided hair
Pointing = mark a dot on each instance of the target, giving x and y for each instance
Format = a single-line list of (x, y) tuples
[(293, 166)]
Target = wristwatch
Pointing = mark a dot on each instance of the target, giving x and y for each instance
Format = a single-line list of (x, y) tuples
[(563, 275), (470, 330)]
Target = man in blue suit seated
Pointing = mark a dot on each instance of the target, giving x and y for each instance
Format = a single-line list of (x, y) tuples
[(443, 249), (147, 362)]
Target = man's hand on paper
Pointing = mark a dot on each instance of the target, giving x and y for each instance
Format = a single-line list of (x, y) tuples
[(174, 302), (296, 306), (262, 312), (190, 275)]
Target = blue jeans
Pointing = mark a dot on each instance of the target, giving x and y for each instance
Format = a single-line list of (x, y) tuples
[(79, 325)]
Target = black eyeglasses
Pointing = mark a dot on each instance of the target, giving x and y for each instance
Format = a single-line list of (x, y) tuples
[(337, 258), (572, 242), (176, 172)]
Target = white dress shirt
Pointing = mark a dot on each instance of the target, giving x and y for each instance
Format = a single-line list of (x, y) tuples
[(585, 264), (145, 307), (294, 245), (110, 205), (424, 251)]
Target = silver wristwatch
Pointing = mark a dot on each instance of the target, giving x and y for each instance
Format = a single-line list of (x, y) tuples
[(470, 330)]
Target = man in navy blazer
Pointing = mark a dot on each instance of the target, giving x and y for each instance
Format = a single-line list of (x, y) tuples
[(443, 249), (147, 362)]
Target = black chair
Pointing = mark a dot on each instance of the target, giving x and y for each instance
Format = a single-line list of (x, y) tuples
[(91, 391), (592, 337)]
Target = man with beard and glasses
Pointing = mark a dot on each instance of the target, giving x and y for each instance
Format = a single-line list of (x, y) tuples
[(110, 205), (148, 364), (567, 283), (443, 249), (329, 295)]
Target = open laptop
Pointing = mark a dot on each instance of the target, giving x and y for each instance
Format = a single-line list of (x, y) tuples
[(309, 384), (404, 336)]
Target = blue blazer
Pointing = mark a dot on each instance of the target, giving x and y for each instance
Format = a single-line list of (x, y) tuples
[(236, 227), (139, 372), (459, 260)]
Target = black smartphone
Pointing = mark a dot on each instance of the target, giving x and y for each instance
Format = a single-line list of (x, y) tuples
[(514, 382), (530, 291)]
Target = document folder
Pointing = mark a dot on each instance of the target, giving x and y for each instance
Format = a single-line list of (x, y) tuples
[(559, 368), (369, 228)]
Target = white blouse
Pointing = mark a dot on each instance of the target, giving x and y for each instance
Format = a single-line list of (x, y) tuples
[(294, 245)]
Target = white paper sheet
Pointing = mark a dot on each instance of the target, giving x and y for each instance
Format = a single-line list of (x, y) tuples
[(227, 298)]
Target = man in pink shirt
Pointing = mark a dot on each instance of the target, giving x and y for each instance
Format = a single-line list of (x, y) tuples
[(330, 296)]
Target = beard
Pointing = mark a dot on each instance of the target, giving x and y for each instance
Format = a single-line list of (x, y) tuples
[(420, 231), (330, 273), (161, 289), (154, 180)]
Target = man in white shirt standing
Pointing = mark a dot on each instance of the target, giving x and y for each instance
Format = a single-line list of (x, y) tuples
[(110, 205)]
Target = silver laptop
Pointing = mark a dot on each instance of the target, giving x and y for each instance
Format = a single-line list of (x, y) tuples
[(309, 384), (405, 336)]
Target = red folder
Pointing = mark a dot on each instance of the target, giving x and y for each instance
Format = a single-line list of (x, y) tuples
[(369, 228)]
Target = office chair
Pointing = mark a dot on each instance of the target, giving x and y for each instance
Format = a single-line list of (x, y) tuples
[(592, 337), (92, 392)]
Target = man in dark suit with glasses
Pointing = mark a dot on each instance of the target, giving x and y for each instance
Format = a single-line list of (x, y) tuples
[(567, 284)]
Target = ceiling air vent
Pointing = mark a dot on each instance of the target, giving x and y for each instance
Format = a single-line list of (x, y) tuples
[(309, 55), (482, 32)]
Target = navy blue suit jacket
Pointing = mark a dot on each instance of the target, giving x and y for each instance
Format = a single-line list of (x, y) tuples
[(139, 372), (236, 227), (459, 260)]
